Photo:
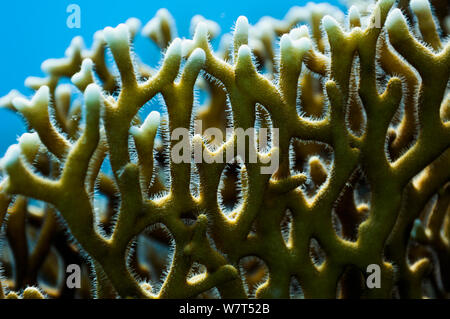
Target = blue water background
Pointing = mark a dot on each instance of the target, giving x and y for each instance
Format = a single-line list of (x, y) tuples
[(32, 31)]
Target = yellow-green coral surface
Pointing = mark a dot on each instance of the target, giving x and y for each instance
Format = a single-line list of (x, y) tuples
[(362, 107)]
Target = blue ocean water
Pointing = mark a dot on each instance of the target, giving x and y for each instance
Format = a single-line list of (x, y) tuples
[(32, 31)]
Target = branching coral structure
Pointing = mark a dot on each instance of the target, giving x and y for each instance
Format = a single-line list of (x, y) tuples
[(361, 106)]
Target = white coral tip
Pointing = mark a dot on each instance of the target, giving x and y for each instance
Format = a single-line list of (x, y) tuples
[(201, 32), (99, 36), (285, 42), (50, 64), (87, 65), (63, 89), (298, 33), (186, 47), (241, 27), (76, 45), (420, 5), (174, 50), (20, 103), (134, 24), (152, 121), (92, 95), (34, 82), (303, 45), (135, 131), (198, 56), (118, 36), (29, 140), (41, 97), (225, 42), (7, 99), (11, 156), (164, 14), (329, 23), (213, 27), (244, 52), (151, 27), (354, 13), (266, 28), (86, 69), (395, 19)]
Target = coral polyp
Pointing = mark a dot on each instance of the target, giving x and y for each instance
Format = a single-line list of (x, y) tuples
[(357, 111)]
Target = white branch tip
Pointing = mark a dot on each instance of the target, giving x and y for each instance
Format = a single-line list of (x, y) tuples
[(242, 27), (118, 36), (329, 23), (395, 19), (11, 156), (420, 6)]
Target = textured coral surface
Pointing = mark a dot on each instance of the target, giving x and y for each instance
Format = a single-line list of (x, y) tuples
[(361, 106)]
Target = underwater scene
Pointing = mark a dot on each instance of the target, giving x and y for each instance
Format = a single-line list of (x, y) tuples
[(225, 150)]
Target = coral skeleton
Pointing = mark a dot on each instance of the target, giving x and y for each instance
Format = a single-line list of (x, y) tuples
[(361, 104)]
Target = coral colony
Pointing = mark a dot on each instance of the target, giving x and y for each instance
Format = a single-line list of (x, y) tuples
[(318, 165)]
